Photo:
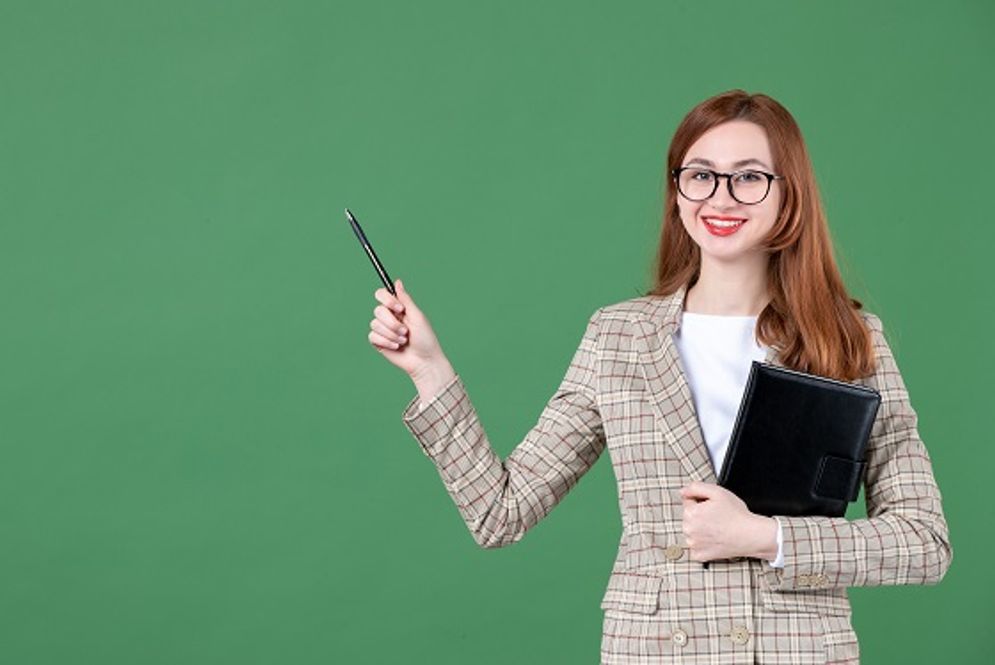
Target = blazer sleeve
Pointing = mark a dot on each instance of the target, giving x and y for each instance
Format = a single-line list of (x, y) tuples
[(904, 539), (501, 500)]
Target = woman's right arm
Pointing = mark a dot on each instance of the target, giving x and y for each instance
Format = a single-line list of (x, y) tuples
[(501, 500)]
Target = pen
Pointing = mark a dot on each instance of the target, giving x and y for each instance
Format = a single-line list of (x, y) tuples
[(384, 277)]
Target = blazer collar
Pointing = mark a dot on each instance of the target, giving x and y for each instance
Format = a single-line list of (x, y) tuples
[(668, 392)]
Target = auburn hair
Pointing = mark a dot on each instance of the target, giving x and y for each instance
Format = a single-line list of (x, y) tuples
[(811, 320)]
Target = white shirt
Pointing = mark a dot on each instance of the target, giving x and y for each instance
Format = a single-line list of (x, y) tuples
[(716, 352)]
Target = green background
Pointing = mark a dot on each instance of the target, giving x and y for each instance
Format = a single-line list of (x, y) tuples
[(202, 456)]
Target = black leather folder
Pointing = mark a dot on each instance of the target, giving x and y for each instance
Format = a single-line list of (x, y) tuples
[(798, 444)]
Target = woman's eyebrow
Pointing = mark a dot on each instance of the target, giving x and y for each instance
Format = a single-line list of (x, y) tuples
[(736, 165)]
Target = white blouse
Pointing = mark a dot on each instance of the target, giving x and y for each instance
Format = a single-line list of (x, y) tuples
[(716, 352)]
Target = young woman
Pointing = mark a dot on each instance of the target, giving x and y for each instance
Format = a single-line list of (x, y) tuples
[(745, 271)]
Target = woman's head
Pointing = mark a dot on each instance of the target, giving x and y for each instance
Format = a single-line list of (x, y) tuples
[(728, 198), (740, 126), (810, 317)]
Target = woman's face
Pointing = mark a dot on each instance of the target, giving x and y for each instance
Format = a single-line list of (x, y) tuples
[(732, 146)]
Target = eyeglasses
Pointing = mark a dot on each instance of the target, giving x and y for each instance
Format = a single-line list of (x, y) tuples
[(747, 187)]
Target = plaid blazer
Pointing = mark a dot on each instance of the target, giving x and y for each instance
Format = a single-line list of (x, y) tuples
[(625, 389)]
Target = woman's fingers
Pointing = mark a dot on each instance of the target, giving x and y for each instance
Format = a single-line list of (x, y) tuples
[(389, 320), (390, 302), (399, 335), (376, 339)]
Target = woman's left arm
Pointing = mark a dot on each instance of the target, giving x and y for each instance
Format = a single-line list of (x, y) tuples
[(904, 539)]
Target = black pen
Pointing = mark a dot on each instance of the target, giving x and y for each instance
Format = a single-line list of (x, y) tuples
[(384, 277)]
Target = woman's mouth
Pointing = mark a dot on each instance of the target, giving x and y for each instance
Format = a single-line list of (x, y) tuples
[(723, 226)]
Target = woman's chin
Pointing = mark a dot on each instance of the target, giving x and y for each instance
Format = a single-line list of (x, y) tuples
[(725, 252)]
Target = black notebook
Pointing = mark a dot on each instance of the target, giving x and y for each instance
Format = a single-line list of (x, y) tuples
[(798, 444)]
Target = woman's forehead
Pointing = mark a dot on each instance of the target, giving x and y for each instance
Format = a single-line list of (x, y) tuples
[(733, 144)]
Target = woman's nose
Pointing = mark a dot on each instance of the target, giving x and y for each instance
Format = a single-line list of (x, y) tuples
[(721, 198)]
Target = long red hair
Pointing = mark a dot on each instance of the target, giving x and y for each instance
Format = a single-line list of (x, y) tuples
[(811, 320)]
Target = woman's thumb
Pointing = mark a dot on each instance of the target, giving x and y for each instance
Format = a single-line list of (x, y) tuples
[(402, 293)]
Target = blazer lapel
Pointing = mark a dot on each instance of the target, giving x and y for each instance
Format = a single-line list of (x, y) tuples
[(667, 387), (666, 382)]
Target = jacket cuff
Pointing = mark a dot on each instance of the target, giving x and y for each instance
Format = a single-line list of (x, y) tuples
[(432, 423), (802, 565)]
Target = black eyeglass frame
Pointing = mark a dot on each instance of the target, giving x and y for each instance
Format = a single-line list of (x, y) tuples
[(715, 184)]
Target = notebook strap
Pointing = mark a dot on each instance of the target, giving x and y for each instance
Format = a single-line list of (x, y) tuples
[(839, 478)]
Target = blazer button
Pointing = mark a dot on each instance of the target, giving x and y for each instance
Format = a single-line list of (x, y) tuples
[(803, 580), (673, 552), (740, 635), (680, 637)]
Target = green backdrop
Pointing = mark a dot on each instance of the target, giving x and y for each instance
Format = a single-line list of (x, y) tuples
[(202, 457)]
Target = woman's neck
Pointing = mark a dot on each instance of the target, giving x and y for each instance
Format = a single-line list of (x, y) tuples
[(727, 289)]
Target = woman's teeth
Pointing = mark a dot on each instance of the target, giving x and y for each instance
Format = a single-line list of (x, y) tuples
[(723, 227)]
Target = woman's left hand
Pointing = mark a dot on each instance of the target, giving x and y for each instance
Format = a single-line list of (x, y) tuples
[(718, 525)]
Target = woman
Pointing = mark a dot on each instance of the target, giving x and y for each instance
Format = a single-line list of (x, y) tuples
[(745, 271)]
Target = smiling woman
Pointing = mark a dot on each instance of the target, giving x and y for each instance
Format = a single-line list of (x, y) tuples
[(744, 272), (751, 200)]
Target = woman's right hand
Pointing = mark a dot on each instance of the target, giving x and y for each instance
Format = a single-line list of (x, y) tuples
[(402, 333)]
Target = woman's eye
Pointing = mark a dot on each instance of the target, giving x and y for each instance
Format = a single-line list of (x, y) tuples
[(702, 175), (748, 176)]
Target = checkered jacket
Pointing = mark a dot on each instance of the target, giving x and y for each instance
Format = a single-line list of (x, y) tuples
[(625, 390)]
